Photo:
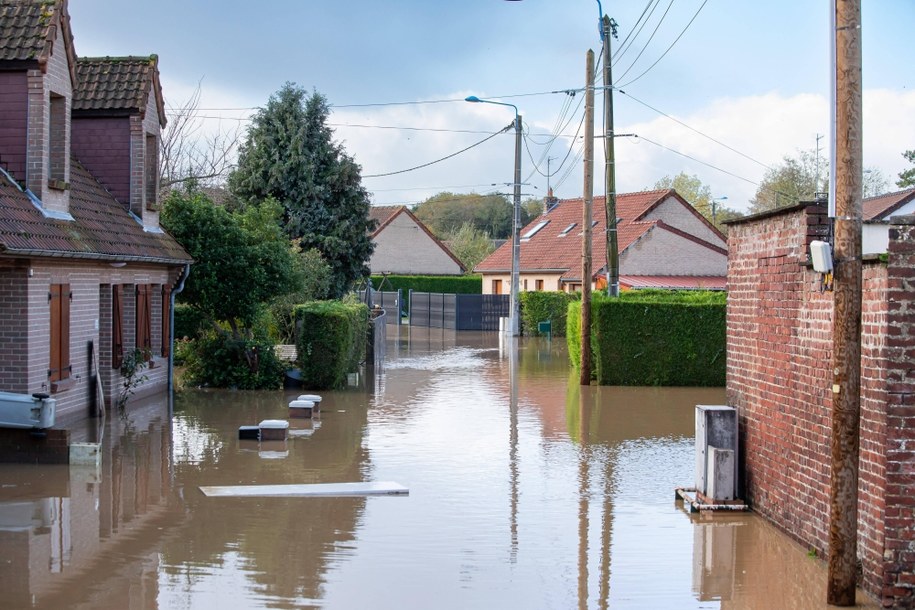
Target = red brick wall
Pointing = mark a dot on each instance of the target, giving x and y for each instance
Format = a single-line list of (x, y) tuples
[(14, 110), (898, 577), (779, 357), (102, 145), (13, 330)]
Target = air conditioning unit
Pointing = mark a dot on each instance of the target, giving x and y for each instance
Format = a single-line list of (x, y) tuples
[(716, 452), (24, 411)]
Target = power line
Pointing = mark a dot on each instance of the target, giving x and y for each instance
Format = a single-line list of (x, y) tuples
[(677, 152), (668, 48), (648, 42), (432, 188), (619, 52), (463, 150), (704, 135)]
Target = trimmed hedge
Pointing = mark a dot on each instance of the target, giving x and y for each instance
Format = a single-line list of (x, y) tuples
[(540, 306), (661, 338), (217, 359), (449, 284), (330, 341)]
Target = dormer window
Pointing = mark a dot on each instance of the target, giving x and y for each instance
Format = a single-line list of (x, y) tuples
[(57, 143), (152, 172)]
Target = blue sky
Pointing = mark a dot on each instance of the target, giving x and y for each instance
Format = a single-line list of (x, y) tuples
[(753, 75)]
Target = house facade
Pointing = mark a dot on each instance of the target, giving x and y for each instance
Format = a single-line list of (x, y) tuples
[(86, 273), (663, 243), (877, 213), (405, 246)]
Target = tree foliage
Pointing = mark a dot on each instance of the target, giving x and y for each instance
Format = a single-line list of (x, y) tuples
[(907, 176), (470, 245), (794, 180), (445, 213), (290, 155), (240, 260)]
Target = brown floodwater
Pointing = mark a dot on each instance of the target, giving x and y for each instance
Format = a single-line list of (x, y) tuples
[(526, 491)]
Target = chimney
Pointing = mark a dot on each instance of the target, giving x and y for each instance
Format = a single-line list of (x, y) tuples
[(549, 202)]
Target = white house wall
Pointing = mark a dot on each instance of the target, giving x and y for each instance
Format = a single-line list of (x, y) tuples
[(402, 247), (661, 252), (672, 211)]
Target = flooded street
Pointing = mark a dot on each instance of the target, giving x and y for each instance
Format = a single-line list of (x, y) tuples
[(526, 491)]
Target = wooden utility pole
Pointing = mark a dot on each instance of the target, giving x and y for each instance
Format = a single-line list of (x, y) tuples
[(585, 370), (846, 335), (613, 255)]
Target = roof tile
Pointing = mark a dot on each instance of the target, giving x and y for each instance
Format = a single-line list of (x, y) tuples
[(882, 206), (113, 83), (26, 29)]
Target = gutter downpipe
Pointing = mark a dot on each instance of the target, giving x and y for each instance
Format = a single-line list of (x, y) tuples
[(171, 332)]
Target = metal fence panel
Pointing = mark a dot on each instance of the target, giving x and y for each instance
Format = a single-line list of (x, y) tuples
[(458, 311)]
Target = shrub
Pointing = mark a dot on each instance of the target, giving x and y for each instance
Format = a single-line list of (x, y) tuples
[(538, 307), (189, 321), (670, 338), (218, 359), (449, 284), (330, 341)]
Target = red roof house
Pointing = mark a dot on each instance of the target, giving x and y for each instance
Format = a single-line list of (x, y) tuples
[(877, 214), (663, 243), (86, 273)]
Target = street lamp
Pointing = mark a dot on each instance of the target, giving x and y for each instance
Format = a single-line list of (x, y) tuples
[(715, 207), (515, 305)]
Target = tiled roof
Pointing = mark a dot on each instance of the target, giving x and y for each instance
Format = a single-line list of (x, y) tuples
[(115, 84), (676, 282), (882, 206), (101, 229), (553, 249), (28, 29), (382, 214)]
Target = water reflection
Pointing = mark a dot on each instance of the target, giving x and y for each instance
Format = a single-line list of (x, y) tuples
[(526, 490)]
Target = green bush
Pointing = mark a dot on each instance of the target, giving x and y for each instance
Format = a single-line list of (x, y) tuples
[(330, 341), (189, 321), (668, 338), (538, 307), (449, 284), (217, 359)]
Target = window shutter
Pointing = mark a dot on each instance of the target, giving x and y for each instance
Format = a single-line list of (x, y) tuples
[(143, 320), (54, 364), (117, 327), (65, 297), (59, 341)]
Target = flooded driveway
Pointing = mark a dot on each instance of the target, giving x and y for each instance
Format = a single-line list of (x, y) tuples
[(526, 491)]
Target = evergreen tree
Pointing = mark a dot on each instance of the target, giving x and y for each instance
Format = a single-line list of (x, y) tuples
[(907, 176), (290, 155)]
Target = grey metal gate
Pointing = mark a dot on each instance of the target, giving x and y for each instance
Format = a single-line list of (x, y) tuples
[(458, 311), (391, 302)]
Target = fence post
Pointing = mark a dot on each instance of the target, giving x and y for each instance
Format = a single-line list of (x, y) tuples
[(399, 306), (410, 296)]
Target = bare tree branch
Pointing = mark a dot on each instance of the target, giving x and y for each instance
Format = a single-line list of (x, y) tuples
[(188, 152)]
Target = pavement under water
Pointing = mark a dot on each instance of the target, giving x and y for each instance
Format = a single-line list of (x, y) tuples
[(526, 491)]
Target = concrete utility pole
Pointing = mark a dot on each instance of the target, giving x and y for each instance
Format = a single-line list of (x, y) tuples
[(516, 235), (846, 335), (613, 255), (585, 370)]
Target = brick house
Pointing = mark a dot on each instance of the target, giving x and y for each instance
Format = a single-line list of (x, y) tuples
[(663, 243), (405, 246), (84, 266), (779, 361)]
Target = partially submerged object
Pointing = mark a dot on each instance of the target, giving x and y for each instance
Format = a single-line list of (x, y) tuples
[(24, 411), (372, 488)]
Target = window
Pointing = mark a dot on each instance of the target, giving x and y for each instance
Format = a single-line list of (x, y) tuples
[(117, 326), (166, 320), (539, 284), (536, 228), (567, 229), (59, 299), (497, 286), (525, 284), (57, 142), (144, 320), (152, 172)]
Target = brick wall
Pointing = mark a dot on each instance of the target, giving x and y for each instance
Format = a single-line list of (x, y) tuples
[(13, 330), (102, 145), (779, 359), (14, 109), (24, 447)]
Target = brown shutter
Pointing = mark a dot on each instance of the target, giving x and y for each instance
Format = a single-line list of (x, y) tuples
[(117, 327), (143, 320), (65, 297), (166, 321), (54, 302)]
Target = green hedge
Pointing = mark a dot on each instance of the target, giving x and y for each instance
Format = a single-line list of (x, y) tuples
[(189, 321), (217, 359), (664, 338), (449, 284), (538, 307), (330, 341)]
